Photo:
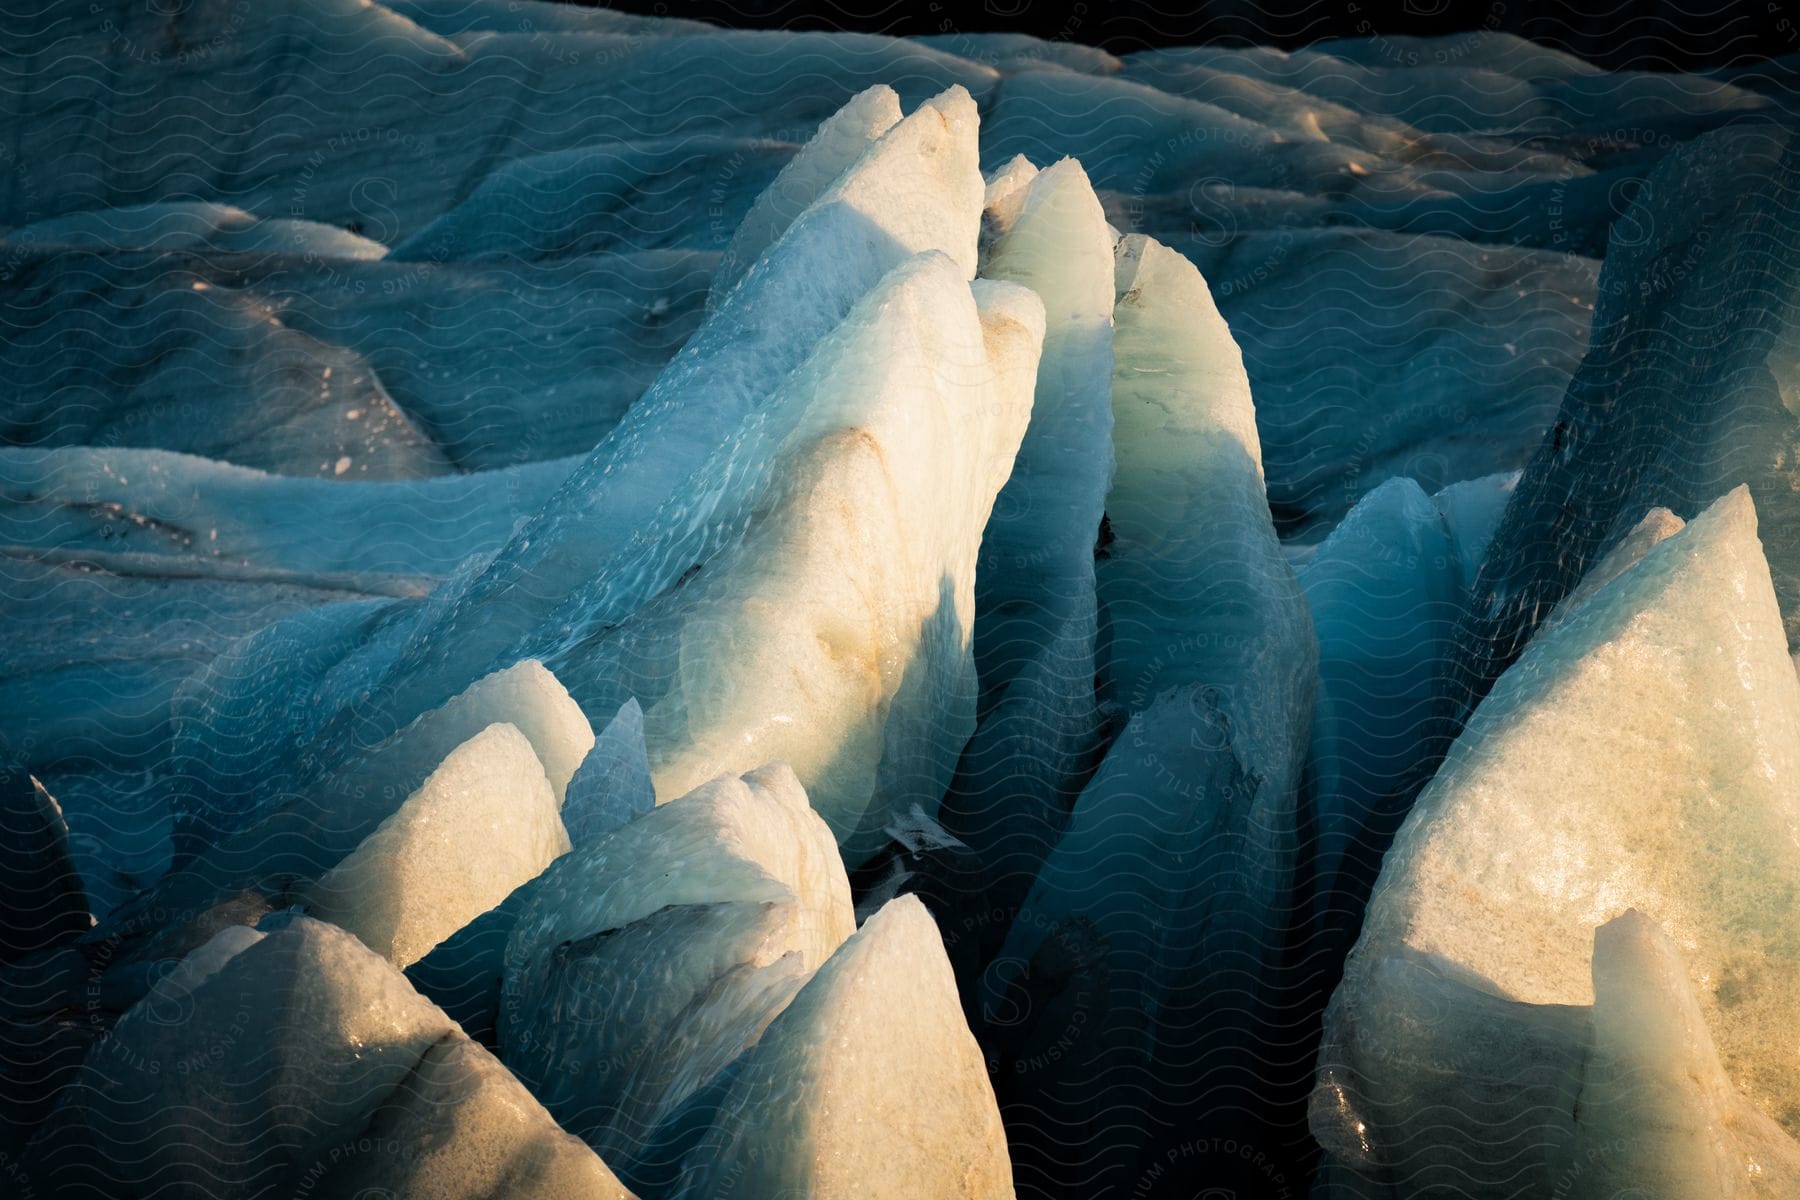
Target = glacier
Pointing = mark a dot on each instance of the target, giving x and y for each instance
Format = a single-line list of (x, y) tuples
[(605, 606), (1497, 879), (1167, 892), (867, 1084), (484, 822), (1039, 727), (330, 1046)]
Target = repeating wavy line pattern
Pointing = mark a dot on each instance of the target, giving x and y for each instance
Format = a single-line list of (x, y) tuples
[(312, 316)]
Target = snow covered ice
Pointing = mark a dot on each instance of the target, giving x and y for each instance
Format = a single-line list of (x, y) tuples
[(603, 606)]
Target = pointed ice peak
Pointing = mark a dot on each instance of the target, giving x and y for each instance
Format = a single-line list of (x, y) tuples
[(481, 825), (841, 140), (1658, 524), (525, 695), (753, 838), (1065, 177), (834, 634), (613, 784), (869, 1085), (1194, 583), (1643, 752), (302, 1056), (1167, 324), (1007, 180), (1053, 240), (932, 151), (916, 187)]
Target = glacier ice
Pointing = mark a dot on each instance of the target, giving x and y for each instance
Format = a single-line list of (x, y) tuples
[(854, 663), (613, 783), (1682, 395), (1193, 589), (1167, 896), (646, 961), (195, 225), (1657, 1114), (140, 511), (1247, 104), (367, 789), (733, 839), (1003, 186), (482, 823), (1472, 511), (42, 899), (267, 856), (1036, 618), (471, 365), (1435, 400), (269, 1065), (170, 361), (833, 149), (526, 695), (633, 196), (1488, 1096), (1639, 754), (827, 260), (103, 703), (203, 963), (832, 632), (1386, 592), (628, 1023), (401, 393), (1468, 82), (376, 87), (461, 1126), (867, 1085), (463, 974)]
